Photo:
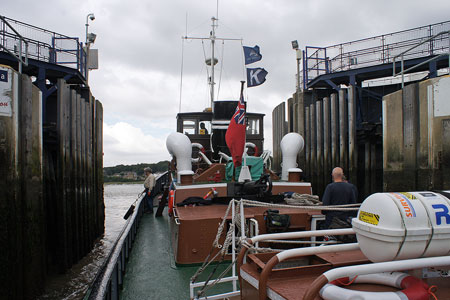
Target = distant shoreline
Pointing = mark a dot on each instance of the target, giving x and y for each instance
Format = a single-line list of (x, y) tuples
[(123, 182)]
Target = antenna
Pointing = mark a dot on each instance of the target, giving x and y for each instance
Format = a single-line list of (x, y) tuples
[(182, 64), (211, 62)]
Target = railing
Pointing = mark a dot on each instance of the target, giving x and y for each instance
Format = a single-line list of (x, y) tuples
[(402, 56), (21, 42), (42, 45), (373, 51), (109, 279)]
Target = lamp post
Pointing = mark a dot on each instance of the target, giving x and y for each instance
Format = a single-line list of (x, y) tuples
[(299, 57), (90, 38)]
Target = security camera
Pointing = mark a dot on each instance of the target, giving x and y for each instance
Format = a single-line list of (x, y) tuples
[(92, 17)]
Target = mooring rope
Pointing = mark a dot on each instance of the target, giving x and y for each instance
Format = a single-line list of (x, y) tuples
[(235, 223), (345, 207)]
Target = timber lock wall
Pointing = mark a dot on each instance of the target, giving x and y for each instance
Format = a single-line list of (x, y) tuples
[(51, 185)]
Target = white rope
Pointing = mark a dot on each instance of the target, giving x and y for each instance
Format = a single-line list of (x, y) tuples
[(345, 207), (221, 68), (221, 227)]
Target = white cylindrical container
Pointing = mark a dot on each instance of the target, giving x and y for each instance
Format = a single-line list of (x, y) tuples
[(394, 226)]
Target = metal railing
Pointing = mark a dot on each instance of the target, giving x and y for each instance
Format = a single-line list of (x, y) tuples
[(402, 55), (21, 40), (374, 50), (109, 279), (42, 45)]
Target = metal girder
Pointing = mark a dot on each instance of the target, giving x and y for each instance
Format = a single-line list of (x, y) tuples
[(332, 84)]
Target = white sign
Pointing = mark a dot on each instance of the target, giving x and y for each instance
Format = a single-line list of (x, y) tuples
[(5, 92)]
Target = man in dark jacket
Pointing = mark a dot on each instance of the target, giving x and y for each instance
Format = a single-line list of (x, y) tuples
[(338, 192)]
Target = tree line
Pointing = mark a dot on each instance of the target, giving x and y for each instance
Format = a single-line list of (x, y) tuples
[(116, 173)]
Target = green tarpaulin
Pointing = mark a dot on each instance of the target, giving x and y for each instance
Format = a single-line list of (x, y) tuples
[(255, 164)]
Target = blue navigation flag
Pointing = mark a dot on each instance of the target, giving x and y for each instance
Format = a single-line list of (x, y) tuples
[(255, 76), (252, 54)]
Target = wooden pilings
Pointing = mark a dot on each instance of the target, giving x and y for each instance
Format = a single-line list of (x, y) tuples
[(279, 129), (22, 229), (398, 141), (331, 140), (51, 188), (79, 156)]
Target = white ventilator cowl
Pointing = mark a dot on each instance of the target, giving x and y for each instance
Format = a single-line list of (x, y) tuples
[(180, 147), (291, 144)]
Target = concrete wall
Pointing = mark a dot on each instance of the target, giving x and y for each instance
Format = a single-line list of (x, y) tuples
[(415, 137)]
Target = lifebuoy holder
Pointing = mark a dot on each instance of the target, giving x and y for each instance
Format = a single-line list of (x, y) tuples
[(411, 287)]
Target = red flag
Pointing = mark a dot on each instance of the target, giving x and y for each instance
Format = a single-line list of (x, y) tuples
[(235, 136)]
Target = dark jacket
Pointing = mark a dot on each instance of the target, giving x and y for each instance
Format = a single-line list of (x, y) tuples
[(338, 193)]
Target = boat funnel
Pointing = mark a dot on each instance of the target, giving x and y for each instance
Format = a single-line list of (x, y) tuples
[(179, 146), (291, 144)]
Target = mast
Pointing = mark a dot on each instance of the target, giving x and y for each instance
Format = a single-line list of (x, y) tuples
[(212, 61)]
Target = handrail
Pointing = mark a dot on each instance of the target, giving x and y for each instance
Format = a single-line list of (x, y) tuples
[(372, 51), (21, 39), (402, 64), (423, 42), (45, 45)]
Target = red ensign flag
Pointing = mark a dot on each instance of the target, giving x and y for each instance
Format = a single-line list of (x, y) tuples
[(235, 136)]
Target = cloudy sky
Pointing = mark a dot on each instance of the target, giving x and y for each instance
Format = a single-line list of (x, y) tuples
[(140, 49)]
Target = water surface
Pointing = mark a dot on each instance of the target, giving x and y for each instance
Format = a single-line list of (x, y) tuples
[(74, 284)]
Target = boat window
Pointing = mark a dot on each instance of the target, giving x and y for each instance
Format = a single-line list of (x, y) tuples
[(204, 127), (253, 126), (189, 126)]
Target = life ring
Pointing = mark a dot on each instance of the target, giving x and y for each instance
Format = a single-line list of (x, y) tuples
[(255, 148), (412, 288), (171, 201)]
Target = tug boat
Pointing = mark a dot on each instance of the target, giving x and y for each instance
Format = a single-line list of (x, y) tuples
[(202, 166), (205, 188)]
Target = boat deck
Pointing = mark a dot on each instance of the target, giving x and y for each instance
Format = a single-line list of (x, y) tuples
[(151, 271)]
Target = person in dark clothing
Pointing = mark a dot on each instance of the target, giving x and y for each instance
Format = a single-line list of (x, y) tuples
[(338, 192), (203, 129)]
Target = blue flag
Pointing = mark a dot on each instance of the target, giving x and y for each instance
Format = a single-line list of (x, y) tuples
[(252, 54), (255, 76)]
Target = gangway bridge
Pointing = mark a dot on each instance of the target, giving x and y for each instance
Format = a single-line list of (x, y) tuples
[(42, 53), (352, 62)]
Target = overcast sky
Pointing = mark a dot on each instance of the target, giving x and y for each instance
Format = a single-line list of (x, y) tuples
[(140, 48)]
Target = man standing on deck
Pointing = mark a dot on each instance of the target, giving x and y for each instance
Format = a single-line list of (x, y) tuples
[(338, 192), (149, 184)]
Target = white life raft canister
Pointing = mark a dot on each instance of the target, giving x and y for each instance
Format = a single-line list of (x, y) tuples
[(394, 226)]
